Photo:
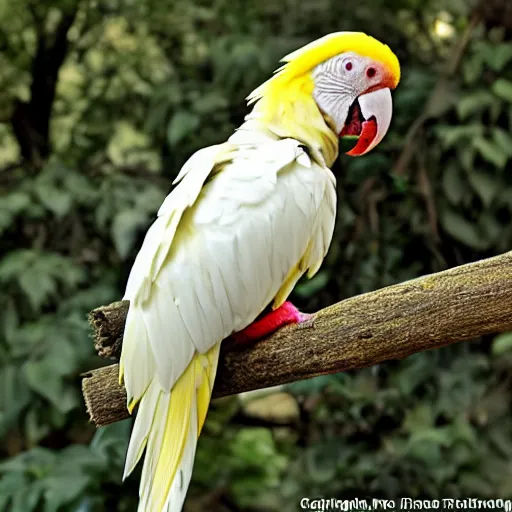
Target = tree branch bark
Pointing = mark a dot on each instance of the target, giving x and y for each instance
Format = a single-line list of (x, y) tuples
[(392, 323)]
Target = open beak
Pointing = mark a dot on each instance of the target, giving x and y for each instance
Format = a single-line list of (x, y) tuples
[(368, 120)]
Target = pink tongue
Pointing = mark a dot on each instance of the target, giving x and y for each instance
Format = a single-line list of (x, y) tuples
[(368, 133)]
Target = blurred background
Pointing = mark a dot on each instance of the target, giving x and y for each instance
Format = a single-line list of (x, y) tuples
[(102, 101)]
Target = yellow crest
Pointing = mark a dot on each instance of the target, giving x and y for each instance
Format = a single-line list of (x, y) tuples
[(287, 105), (303, 60)]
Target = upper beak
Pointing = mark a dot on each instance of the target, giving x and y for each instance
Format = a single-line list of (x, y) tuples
[(376, 108)]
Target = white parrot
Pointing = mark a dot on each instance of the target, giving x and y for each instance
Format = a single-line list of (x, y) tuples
[(246, 220)]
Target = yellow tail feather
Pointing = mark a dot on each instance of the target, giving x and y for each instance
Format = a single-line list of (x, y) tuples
[(183, 417)]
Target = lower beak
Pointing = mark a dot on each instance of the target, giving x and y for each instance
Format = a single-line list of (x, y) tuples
[(376, 108)]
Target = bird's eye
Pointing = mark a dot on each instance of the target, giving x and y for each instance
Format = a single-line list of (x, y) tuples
[(348, 66), (371, 72)]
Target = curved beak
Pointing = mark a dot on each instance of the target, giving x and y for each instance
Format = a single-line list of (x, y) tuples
[(376, 108)]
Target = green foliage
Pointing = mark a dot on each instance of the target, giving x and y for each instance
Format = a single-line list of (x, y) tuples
[(435, 413), (60, 479), (477, 149), (143, 85), (238, 463)]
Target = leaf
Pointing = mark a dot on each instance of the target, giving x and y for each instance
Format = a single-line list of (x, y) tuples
[(310, 287), (157, 117), (463, 230), (37, 286), (14, 396), (6, 219), (56, 199), (124, 230), (489, 224), (75, 457), (247, 449), (45, 377), (79, 187), (426, 450), (182, 123), (9, 484), (503, 89), (467, 156), (23, 497), (10, 481), (451, 135), (491, 152), (64, 489), (12, 265), (10, 320), (321, 462), (110, 442), (473, 68), (503, 140), (484, 185), (28, 498), (34, 461), (251, 444), (502, 343), (210, 102), (499, 56), (35, 430), (436, 435), (27, 338), (150, 199), (312, 386), (15, 202), (419, 417), (453, 184), (473, 103), (476, 484), (441, 101), (41, 379), (501, 440)]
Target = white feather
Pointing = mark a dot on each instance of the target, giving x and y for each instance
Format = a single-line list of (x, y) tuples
[(228, 238), (137, 358), (142, 427), (153, 446), (169, 337)]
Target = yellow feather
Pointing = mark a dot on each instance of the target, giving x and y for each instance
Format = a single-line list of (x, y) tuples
[(302, 61), (307, 57), (293, 276), (175, 436), (287, 286), (197, 378), (291, 88), (203, 397), (213, 360), (206, 367)]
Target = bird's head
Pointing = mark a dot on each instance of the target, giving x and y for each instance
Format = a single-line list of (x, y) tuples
[(339, 84)]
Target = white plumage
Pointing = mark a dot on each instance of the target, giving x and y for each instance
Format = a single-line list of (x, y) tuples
[(244, 222)]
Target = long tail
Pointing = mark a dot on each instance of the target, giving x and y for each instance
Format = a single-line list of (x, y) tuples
[(168, 425)]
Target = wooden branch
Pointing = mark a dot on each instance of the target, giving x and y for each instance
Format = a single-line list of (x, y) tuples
[(392, 323)]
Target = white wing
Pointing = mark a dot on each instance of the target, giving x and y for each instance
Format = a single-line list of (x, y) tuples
[(238, 231)]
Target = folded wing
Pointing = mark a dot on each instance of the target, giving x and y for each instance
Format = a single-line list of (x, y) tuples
[(240, 226)]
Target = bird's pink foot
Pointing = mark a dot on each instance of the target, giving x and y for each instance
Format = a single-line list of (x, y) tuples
[(285, 314)]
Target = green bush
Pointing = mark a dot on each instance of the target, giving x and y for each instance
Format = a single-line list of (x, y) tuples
[(142, 85)]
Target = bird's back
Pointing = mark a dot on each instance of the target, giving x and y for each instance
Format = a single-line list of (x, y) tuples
[(237, 232)]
